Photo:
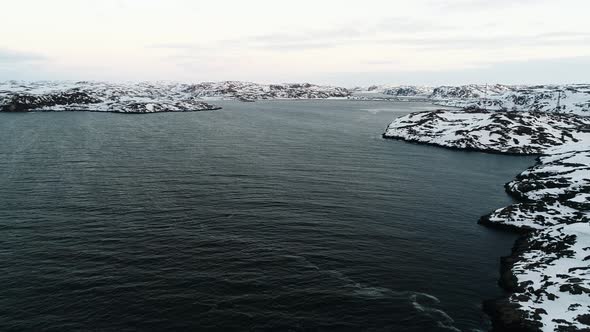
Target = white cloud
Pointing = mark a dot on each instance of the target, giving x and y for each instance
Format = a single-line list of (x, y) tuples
[(12, 56)]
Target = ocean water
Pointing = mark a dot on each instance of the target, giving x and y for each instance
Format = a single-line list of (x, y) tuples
[(278, 216)]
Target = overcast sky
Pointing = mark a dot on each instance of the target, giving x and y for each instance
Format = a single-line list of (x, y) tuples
[(330, 42)]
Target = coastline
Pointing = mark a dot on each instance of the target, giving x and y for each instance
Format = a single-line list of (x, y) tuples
[(545, 195), (213, 108), (454, 148)]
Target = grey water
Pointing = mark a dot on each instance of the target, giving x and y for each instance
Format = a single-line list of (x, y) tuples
[(274, 215)]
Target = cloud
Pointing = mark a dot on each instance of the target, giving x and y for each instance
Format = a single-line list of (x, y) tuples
[(352, 33), (411, 25), (556, 70), (470, 42), (484, 4), (402, 32), (11, 56), (380, 62)]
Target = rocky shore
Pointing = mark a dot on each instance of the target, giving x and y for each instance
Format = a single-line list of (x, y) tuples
[(529, 133), (548, 272)]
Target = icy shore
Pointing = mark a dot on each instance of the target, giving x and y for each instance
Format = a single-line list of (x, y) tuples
[(548, 272)]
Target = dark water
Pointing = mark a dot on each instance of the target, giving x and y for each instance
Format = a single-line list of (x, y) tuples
[(264, 216)]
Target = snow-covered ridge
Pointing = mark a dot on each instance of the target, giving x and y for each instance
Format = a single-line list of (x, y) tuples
[(548, 272), (573, 98), (98, 97), (147, 97), (392, 93), (396, 90), (470, 91), (248, 91)]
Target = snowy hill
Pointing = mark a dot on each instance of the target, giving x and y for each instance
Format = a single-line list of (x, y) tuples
[(178, 97), (248, 91), (547, 272), (98, 97), (396, 90), (147, 97), (468, 91), (574, 98)]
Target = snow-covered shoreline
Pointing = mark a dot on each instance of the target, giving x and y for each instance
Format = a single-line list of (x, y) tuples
[(569, 98), (98, 97), (248, 91), (548, 272), (149, 97), (179, 97)]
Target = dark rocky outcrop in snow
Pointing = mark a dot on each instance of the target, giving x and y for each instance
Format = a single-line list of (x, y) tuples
[(23, 102)]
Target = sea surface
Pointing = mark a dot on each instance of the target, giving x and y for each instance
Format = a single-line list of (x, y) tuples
[(275, 215)]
